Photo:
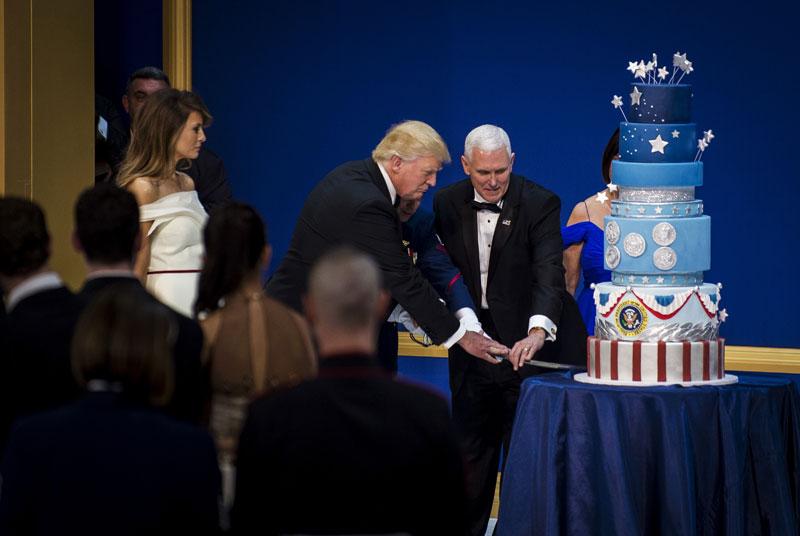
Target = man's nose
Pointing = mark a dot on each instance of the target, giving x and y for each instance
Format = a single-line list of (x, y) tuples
[(202, 137), (431, 181)]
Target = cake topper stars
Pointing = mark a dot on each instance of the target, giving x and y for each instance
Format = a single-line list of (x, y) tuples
[(723, 315), (686, 68), (708, 135), (658, 145), (632, 66), (676, 134), (601, 197), (635, 96), (617, 103), (641, 70), (662, 73)]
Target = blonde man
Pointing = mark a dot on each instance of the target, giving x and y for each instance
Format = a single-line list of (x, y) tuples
[(355, 204)]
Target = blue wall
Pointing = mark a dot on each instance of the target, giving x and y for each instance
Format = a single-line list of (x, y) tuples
[(299, 87)]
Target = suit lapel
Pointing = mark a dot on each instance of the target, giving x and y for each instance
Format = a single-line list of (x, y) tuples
[(469, 231), (505, 223)]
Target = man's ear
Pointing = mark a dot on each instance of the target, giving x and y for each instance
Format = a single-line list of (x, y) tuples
[(395, 163), (465, 164), (511, 163), (382, 304), (125, 104)]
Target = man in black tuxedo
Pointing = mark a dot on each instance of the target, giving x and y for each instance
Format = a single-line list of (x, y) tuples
[(107, 235), (41, 313), (207, 170), (355, 204), (503, 232), (352, 451)]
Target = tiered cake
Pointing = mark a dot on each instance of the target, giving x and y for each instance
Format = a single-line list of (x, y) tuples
[(657, 321)]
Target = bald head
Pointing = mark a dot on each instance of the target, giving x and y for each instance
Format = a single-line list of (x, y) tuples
[(344, 291)]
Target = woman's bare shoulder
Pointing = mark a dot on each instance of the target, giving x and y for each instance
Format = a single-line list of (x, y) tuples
[(185, 181), (144, 189)]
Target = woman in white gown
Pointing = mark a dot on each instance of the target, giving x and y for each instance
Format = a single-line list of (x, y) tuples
[(167, 130)]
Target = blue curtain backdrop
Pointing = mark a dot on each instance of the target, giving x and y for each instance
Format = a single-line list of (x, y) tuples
[(298, 87)]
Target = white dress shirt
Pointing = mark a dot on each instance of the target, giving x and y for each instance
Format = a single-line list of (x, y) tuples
[(487, 221)]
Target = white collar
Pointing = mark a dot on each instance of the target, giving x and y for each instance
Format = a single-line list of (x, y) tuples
[(31, 286), (389, 185), (480, 199)]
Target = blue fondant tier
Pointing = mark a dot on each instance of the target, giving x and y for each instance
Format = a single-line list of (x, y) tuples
[(661, 103), (657, 210), (646, 175), (657, 247), (675, 140)]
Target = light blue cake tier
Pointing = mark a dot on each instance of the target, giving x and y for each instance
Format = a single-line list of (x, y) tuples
[(635, 146), (640, 174), (657, 210), (657, 247)]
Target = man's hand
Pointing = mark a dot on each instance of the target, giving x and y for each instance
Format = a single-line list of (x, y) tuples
[(525, 349), (482, 346)]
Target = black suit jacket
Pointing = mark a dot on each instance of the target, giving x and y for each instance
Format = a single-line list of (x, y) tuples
[(35, 366), (192, 389), (351, 205), (105, 465), (210, 180), (526, 273), (350, 452)]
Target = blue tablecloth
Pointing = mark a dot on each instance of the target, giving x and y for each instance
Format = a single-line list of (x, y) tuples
[(593, 459)]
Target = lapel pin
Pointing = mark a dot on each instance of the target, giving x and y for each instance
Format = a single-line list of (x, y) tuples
[(506, 222)]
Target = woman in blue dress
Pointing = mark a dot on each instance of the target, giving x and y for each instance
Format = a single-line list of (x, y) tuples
[(583, 239)]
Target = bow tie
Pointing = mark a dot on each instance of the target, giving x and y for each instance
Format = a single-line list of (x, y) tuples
[(477, 205)]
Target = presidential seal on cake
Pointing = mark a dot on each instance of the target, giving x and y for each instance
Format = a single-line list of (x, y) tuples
[(657, 322)]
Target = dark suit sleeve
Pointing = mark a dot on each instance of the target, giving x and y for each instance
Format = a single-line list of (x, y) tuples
[(544, 238), (18, 484), (210, 180), (376, 231), (435, 263)]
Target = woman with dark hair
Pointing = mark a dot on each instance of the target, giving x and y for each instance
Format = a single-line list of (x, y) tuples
[(167, 130), (113, 462), (583, 238), (253, 343)]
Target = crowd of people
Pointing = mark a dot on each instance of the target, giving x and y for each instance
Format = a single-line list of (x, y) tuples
[(178, 392)]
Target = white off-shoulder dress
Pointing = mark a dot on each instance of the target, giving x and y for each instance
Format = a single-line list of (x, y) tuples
[(176, 248)]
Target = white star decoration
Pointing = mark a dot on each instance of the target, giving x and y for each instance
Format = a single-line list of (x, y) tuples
[(662, 72), (601, 197), (723, 315), (658, 210), (635, 96), (642, 210), (632, 278), (641, 70), (645, 279), (702, 144), (658, 145), (612, 187), (659, 280), (676, 134), (632, 66), (616, 101), (678, 60), (708, 135)]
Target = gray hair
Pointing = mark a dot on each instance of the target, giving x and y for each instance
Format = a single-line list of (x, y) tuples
[(486, 138), (344, 286)]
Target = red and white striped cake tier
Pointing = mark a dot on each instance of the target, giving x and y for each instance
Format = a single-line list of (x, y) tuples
[(655, 363)]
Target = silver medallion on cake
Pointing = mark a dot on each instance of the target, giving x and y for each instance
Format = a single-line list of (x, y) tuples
[(612, 256), (664, 234), (634, 244), (612, 232), (665, 258)]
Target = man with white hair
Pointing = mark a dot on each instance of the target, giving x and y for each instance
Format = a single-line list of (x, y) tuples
[(352, 451), (503, 232), (355, 205)]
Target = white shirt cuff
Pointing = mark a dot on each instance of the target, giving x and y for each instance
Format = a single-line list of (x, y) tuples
[(467, 317), (455, 337), (541, 321)]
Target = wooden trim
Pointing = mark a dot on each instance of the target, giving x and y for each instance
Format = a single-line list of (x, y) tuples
[(744, 358), (2, 98), (177, 42)]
